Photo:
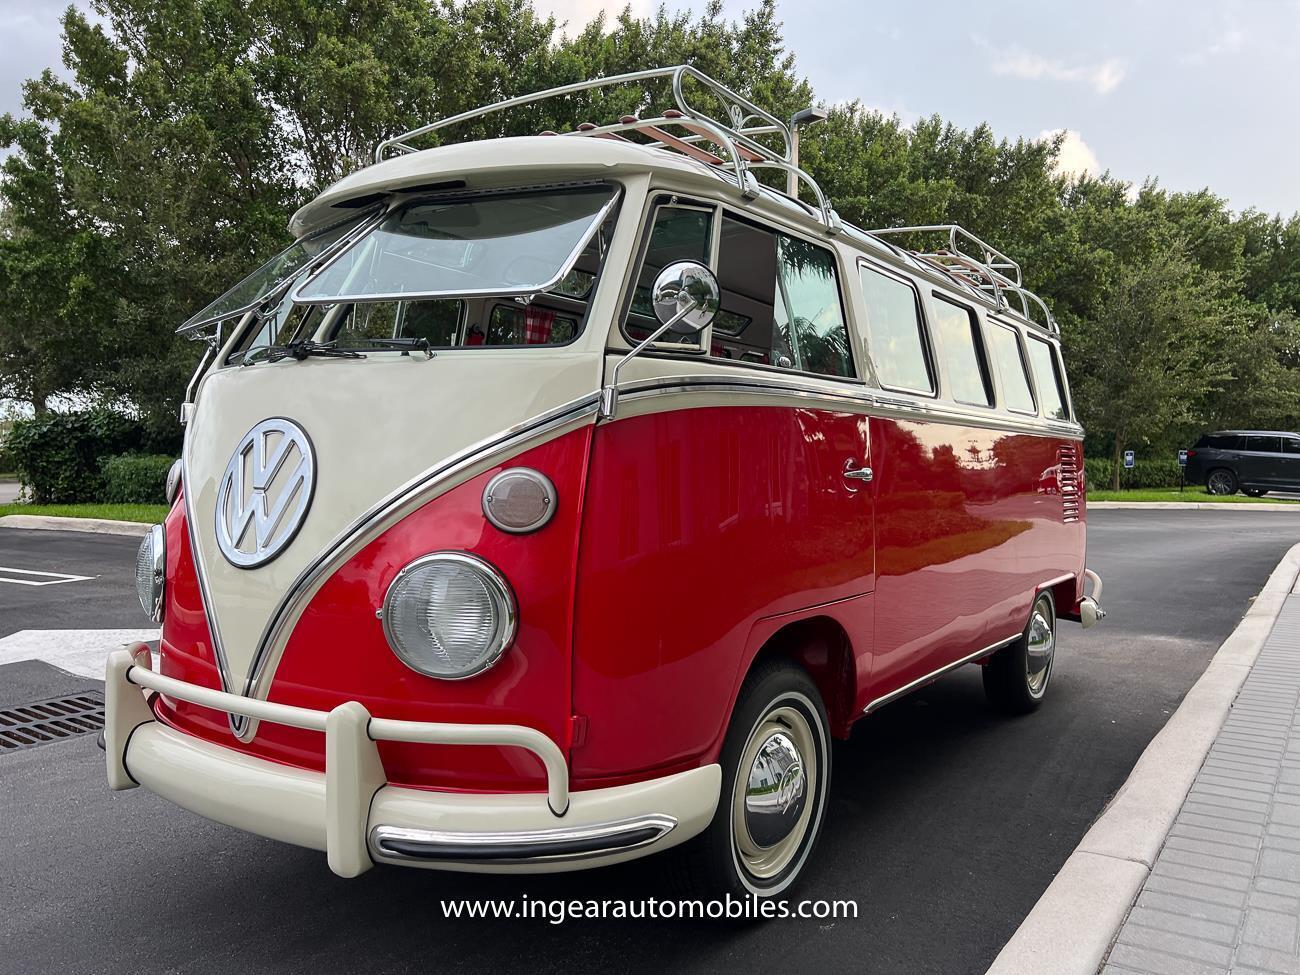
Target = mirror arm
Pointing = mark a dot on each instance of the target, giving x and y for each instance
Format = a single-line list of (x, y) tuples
[(609, 392)]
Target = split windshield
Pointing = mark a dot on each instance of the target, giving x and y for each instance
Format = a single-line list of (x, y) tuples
[(507, 269), (259, 285), (515, 244)]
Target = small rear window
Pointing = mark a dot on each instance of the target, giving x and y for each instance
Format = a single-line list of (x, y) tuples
[(1047, 376)]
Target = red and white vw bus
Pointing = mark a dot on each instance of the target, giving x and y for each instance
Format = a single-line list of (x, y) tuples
[(555, 500)]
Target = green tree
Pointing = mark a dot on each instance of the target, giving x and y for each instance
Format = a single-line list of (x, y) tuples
[(1148, 349)]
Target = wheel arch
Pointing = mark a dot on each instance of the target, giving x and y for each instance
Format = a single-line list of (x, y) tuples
[(820, 644)]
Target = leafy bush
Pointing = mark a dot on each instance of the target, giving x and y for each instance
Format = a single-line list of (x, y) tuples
[(58, 455), (1143, 474), (136, 478)]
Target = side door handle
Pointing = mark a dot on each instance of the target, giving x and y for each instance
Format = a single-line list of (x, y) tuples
[(855, 473)]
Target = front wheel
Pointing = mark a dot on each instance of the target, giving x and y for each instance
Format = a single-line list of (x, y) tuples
[(776, 769), (1016, 677), (1221, 481)]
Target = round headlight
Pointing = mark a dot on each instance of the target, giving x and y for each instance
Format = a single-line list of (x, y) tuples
[(173, 481), (149, 572), (449, 615), (519, 500)]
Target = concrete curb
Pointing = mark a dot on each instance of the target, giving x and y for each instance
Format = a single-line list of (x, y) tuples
[(1196, 505), (1073, 924), (100, 526)]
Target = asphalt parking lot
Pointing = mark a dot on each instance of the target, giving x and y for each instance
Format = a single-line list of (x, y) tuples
[(946, 823)]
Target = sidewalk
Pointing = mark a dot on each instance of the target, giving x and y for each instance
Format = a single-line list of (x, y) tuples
[(1224, 892)]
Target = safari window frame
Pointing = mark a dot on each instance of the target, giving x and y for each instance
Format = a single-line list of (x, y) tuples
[(611, 208)]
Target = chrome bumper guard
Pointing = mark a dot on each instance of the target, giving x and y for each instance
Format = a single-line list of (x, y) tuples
[(333, 811)]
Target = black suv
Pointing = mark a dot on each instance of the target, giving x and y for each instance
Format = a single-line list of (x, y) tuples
[(1256, 461)]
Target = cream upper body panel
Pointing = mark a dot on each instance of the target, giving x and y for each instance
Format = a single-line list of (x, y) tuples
[(375, 425)]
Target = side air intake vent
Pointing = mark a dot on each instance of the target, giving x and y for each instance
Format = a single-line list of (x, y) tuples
[(1071, 499)]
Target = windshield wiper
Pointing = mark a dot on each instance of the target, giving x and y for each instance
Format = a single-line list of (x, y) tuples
[(299, 351), (405, 344)]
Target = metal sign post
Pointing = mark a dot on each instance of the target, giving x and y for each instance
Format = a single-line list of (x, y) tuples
[(1182, 470)]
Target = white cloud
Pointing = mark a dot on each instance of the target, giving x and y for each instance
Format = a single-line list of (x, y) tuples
[(1076, 157), (1230, 41), (1102, 77), (579, 13)]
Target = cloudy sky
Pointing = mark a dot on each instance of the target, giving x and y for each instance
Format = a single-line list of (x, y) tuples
[(1199, 94)]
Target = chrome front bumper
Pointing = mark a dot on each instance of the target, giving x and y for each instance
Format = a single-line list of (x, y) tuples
[(353, 814)]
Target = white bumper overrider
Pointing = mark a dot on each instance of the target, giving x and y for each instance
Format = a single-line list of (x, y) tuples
[(357, 818)]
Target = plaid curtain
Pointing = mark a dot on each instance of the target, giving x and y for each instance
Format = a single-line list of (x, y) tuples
[(537, 325)]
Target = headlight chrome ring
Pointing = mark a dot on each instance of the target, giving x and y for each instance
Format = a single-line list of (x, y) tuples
[(449, 615), (150, 572)]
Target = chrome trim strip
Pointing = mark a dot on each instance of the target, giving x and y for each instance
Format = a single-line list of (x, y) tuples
[(934, 675), (421, 483), (397, 843), (867, 400), (237, 723)]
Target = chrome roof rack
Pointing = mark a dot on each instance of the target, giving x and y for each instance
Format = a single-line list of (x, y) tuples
[(737, 149), (978, 265)]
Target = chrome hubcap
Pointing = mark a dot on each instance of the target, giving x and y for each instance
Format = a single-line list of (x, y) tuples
[(1042, 648), (770, 807), (775, 795)]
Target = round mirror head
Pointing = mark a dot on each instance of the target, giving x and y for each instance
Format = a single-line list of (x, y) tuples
[(688, 289)]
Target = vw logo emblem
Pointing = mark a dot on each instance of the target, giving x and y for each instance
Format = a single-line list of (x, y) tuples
[(265, 492)]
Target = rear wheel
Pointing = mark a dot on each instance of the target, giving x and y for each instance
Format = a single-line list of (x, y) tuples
[(775, 780), (1016, 677), (1221, 481)]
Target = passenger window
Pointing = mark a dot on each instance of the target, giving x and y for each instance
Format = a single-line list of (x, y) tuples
[(809, 313), (780, 297), (1047, 376), (780, 303), (1004, 345), (895, 333), (1290, 445), (529, 325), (959, 342), (1267, 445), (679, 234)]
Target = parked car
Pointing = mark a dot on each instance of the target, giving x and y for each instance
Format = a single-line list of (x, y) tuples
[(556, 499), (1252, 461)]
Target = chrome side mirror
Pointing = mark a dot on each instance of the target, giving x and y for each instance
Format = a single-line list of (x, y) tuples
[(685, 297)]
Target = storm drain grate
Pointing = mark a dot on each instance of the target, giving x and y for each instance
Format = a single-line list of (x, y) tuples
[(50, 720)]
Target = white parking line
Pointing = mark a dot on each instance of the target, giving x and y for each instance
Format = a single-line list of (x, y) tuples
[(80, 652), (46, 578)]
